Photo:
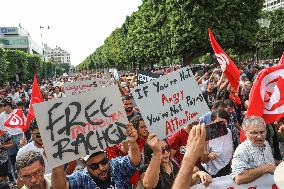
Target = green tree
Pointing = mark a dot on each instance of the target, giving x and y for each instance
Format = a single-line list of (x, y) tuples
[(3, 66)]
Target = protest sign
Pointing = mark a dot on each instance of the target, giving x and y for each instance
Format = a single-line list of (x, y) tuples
[(77, 125), (144, 77), (226, 182), (170, 102), (78, 87)]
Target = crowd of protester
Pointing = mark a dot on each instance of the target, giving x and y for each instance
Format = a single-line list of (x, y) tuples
[(145, 161)]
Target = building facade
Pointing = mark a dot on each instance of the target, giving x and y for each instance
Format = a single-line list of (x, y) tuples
[(18, 38), (57, 55), (273, 4)]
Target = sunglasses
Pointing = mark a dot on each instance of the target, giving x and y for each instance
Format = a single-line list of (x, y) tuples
[(96, 166), (165, 149)]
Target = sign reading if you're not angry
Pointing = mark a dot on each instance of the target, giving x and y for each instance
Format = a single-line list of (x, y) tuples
[(170, 102), (78, 125)]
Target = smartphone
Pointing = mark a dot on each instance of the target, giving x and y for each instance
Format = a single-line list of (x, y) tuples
[(215, 130)]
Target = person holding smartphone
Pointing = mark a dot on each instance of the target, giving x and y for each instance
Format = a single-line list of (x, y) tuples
[(220, 150)]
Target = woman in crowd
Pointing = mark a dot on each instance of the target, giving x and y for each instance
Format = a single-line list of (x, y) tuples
[(159, 171), (220, 150)]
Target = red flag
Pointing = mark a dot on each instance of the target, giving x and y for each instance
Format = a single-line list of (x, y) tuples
[(2, 132), (36, 98), (281, 61), (227, 65), (267, 94), (16, 120)]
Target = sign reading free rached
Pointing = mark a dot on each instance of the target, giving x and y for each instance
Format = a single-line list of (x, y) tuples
[(78, 125), (169, 103)]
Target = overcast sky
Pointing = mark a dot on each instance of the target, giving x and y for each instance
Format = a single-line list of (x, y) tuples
[(78, 26)]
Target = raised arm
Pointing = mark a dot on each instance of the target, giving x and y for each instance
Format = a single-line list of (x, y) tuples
[(134, 151), (194, 150), (58, 178), (151, 177)]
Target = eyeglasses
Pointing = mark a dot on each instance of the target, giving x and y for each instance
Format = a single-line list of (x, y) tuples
[(255, 133), (95, 166), (36, 174), (165, 149)]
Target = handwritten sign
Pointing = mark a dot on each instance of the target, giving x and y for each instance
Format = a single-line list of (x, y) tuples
[(78, 87), (170, 102), (77, 125), (144, 77), (226, 182)]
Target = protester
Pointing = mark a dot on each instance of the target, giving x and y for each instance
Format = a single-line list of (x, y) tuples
[(15, 133), (252, 158), (31, 168), (101, 172), (160, 171), (5, 143), (194, 150), (128, 106), (220, 150), (35, 145)]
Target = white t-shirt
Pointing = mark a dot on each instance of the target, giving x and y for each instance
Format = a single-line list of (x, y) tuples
[(3, 119), (15, 97), (31, 147), (223, 147)]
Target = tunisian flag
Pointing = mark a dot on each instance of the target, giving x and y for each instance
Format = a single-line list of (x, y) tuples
[(227, 65), (281, 61), (36, 98), (267, 96), (16, 120)]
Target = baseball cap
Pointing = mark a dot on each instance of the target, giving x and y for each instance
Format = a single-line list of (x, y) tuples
[(93, 154)]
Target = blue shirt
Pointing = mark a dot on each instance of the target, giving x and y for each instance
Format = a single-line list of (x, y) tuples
[(206, 118), (121, 169)]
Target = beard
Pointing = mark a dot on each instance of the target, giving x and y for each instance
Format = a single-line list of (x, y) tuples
[(129, 109)]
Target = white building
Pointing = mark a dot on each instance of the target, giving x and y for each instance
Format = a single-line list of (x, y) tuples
[(57, 55), (273, 4), (18, 38)]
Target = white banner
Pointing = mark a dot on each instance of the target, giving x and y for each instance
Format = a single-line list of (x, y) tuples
[(170, 102), (82, 124), (77, 87), (226, 182)]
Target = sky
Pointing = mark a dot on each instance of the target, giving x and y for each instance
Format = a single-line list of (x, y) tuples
[(77, 26)]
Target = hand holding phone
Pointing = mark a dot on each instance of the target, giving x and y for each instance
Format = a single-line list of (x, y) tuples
[(215, 130)]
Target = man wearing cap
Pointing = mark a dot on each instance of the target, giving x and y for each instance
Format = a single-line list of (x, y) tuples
[(100, 172)]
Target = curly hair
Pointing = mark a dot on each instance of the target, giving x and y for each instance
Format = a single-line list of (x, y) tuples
[(135, 121), (28, 158)]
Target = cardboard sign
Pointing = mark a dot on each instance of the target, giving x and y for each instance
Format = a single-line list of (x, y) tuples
[(78, 87), (170, 102), (226, 182), (82, 124), (144, 77)]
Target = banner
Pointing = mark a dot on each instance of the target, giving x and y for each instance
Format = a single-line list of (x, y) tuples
[(78, 125), (78, 87), (226, 182), (171, 102), (144, 77)]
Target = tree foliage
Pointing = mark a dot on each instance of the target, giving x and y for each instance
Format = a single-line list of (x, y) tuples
[(164, 31), (18, 65)]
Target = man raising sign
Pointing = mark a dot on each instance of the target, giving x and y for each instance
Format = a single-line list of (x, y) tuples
[(101, 172)]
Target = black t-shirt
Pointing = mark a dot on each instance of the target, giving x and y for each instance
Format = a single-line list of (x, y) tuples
[(165, 180), (210, 97)]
